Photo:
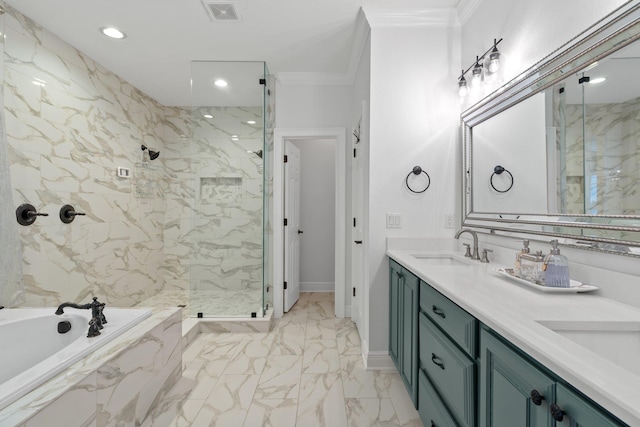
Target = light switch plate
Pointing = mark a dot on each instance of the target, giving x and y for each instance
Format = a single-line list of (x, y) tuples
[(394, 220)]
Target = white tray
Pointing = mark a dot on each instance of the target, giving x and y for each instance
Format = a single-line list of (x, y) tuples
[(575, 286)]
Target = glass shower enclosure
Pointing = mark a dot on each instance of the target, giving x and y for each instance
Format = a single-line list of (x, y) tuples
[(227, 149)]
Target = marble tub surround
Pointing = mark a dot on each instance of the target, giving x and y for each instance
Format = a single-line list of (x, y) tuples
[(117, 384), (520, 314), (312, 374)]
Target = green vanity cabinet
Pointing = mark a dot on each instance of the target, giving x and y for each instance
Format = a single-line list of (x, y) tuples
[(461, 373), (512, 391), (576, 411), (403, 325)]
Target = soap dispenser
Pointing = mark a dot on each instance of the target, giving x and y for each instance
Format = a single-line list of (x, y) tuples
[(556, 268), (517, 269)]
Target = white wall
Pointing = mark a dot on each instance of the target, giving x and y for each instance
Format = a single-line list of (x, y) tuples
[(414, 122), (317, 214), (313, 106)]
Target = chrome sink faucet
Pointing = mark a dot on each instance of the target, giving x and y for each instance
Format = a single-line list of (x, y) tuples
[(475, 254)]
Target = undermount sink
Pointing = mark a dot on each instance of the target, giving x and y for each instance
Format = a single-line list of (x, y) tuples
[(616, 341), (439, 260)]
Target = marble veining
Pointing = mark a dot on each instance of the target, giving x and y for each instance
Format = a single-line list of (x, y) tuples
[(283, 394)]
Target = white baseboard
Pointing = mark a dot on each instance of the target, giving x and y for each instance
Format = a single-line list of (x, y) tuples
[(317, 287), (378, 361), (347, 311)]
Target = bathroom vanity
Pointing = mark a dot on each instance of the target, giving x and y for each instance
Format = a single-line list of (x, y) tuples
[(476, 349)]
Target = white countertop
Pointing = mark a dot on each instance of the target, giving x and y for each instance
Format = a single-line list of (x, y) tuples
[(514, 310)]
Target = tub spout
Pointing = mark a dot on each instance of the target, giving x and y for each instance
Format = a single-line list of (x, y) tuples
[(64, 305), (97, 316)]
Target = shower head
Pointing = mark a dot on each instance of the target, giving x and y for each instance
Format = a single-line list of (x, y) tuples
[(257, 153), (152, 154)]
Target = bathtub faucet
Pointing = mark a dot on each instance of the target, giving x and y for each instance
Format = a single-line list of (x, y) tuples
[(97, 316)]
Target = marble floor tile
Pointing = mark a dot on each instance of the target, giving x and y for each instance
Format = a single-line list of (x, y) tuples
[(320, 329), (272, 413), (321, 401), (374, 412), (360, 383), (308, 371), (347, 337), (320, 357), (401, 400), (228, 404), (280, 377)]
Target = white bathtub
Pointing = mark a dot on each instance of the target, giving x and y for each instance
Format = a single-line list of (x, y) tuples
[(33, 351)]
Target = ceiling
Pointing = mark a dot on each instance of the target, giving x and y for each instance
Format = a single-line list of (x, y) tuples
[(306, 37)]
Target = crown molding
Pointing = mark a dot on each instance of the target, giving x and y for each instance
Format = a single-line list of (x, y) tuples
[(378, 16), (466, 8), (347, 78)]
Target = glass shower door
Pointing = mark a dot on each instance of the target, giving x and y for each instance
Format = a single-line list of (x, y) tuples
[(226, 152)]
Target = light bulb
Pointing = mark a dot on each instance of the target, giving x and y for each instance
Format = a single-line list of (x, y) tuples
[(462, 87), (476, 75), (494, 58)]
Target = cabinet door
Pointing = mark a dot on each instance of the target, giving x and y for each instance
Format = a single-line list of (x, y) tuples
[(395, 275), (409, 341), (578, 412), (507, 384)]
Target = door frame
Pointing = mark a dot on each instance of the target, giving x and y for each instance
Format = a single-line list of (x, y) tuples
[(280, 135)]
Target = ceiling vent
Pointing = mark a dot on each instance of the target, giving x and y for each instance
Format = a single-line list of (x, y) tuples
[(221, 11)]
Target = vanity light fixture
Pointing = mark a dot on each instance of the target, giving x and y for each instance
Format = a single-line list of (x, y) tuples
[(476, 73), (462, 86), (112, 32), (485, 69), (494, 58)]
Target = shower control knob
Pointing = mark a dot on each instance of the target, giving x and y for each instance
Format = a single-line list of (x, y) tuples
[(26, 214), (68, 214)]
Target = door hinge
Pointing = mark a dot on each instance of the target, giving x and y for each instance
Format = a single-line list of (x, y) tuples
[(263, 82), (354, 222), (285, 285), (286, 158), (354, 292), (286, 222), (354, 152)]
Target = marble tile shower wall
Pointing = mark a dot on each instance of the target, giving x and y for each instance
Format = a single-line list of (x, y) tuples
[(611, 158), (70, 123), (214, 197)]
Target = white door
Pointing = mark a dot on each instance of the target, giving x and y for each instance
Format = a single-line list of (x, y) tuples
[(357, 208), (292, 230)]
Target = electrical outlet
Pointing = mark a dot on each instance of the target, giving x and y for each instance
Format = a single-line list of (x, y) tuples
[(448, 221)]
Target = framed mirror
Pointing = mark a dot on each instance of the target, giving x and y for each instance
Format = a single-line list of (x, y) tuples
[(556, 151)]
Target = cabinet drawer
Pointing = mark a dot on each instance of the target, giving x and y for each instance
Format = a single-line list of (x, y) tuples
[(457, 323), (451, 371), (431, 409)]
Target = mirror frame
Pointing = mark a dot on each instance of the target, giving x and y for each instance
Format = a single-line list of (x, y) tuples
[(615, 31)]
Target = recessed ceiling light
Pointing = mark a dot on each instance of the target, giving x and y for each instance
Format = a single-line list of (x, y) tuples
[(597, 80), (112, 32), (220, 83), (208, 116), (251, 122)]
